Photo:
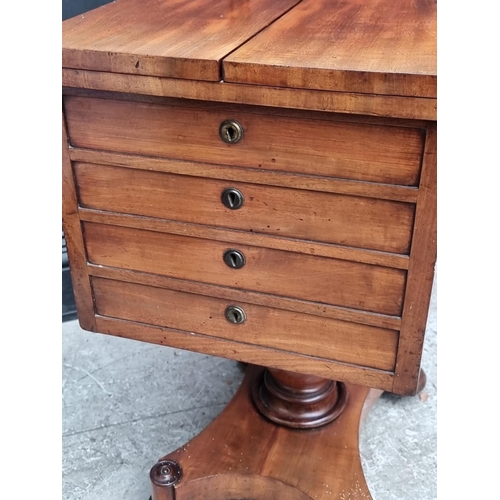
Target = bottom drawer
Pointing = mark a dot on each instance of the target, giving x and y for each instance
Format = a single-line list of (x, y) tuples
[(306, 334)]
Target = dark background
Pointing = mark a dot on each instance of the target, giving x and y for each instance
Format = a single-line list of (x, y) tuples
[(72, 8)]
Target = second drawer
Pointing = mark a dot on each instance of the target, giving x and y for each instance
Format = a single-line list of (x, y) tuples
[(285, 330), (326, 217), (319, 279)]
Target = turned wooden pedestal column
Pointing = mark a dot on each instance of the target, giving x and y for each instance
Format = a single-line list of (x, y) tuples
[(298, 401)]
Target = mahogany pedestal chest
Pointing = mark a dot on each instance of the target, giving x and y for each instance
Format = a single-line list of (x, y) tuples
[(257, 180)]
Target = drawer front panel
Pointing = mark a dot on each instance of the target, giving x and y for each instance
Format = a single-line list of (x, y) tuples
[(331, 218), (300, 333), (337, 282), (367, 152)]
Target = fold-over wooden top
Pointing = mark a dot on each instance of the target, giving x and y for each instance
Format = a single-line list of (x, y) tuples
[(369, 46), (170, 38)]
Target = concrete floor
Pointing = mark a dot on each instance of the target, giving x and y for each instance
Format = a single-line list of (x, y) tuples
[(127, 403)]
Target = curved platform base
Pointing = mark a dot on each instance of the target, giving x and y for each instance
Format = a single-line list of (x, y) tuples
[(242, 455)]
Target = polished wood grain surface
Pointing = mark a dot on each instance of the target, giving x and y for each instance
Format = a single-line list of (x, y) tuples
[(288, 331), (367, 46), (174, 38), (345, 220), (417, 108), (331, 281), (376, 153)]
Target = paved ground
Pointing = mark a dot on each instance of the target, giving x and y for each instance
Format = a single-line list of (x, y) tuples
[(127, 403)]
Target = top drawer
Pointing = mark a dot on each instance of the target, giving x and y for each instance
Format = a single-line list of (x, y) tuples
[(366, 152)]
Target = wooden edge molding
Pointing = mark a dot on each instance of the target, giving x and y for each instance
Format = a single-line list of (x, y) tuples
[(419, 108)]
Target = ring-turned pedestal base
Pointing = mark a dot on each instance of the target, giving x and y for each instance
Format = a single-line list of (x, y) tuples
[(296, 400), (243, 455)]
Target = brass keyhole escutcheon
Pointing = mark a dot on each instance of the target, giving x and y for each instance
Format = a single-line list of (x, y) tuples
[(232, 198), (234, 259), (235, 315), (230, 131)]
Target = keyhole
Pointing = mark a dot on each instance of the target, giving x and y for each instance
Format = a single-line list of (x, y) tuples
[(231, 134), (232, 198), (230, 131), (235, 315), (234, 259)]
